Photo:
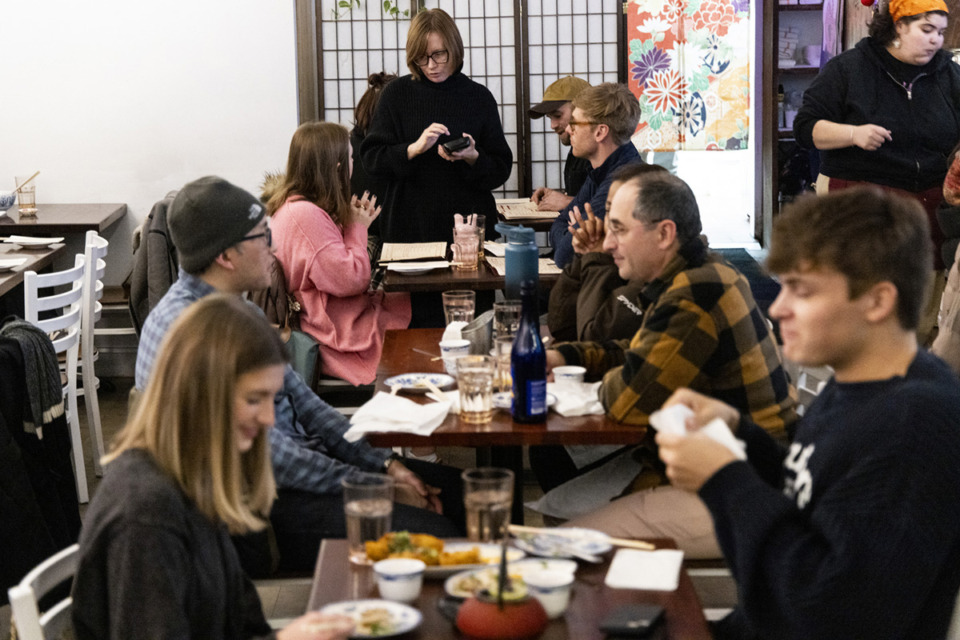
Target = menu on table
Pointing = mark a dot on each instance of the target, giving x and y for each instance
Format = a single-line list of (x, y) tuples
[(400, 251), (545, 266), (522, 209)]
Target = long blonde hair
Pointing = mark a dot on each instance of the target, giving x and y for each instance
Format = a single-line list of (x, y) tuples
[(318, 169), (184, 418)]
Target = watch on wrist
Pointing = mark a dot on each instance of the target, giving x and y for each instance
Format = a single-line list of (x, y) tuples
[(389, 461)]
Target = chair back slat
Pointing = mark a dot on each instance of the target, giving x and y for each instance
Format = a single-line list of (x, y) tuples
[(25, 596)]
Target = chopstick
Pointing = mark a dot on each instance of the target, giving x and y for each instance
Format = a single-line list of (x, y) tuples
[(434, 389), (26, 182), (618, 542), (433, 356)]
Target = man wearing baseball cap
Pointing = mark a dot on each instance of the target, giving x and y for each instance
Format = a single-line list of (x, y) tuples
[(556, 105), (225, 245)]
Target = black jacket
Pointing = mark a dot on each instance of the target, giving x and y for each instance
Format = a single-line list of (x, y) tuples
[(864, 86)]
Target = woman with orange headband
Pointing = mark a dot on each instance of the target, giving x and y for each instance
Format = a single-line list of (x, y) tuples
[(887, 112)]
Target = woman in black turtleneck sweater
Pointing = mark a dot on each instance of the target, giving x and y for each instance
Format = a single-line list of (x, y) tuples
[(417, 114)]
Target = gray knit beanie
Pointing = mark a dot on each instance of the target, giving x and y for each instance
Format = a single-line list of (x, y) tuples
[(209, 216)]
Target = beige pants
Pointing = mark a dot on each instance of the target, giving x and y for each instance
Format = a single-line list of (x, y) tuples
[(663, 512)]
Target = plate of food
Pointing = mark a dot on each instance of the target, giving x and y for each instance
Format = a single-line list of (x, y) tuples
[(466, 583), (442, 558), (377, 618), (565, 542), (7, 264), (417, 382), (415, 268), (504, 400), (32, 242)]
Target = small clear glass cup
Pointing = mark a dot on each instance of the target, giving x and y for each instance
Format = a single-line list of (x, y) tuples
[(27, 196), (368, 506), (502, 348), (475, 375), (506, 318), (459, 305), (488, 498)]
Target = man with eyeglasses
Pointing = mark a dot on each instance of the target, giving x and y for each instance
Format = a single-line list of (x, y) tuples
[(224, 243), (558, 107), (701, 328), (603, 119)]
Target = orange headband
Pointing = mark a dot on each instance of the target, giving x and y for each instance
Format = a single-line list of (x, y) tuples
[(903, 8)]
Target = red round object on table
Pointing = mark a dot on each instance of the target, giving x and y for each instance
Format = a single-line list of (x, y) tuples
[(485, 620)]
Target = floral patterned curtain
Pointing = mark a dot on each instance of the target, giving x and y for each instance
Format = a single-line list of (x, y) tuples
[(689, 65)]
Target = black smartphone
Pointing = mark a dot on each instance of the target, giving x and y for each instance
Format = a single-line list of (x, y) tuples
[(456, 144), (632, 620)]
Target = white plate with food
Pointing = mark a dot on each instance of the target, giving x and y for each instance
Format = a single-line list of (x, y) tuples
[(442, 558), (466, 583), (416, 268), (8, 264), (32, 242), (489, 555), (504, 400), (567, 542), (377, 618), (417, 382)]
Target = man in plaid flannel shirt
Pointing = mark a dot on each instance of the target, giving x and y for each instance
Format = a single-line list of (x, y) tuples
[(701, 329)]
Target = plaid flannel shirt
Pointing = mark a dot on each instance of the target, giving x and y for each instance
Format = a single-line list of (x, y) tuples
[(701, 329), (306, 444)]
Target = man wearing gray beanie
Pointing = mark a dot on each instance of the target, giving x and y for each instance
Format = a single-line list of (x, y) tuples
[(224, 244)]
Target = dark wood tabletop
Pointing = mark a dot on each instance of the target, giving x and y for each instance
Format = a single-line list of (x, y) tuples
[(62, 219), (37, 259), (399, 357), (483, 279), (335, 580)]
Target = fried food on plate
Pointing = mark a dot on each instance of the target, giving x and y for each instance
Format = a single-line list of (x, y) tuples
[(402, 544)]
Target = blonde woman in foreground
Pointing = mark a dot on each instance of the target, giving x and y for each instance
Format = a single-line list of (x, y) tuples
[(190, 468)]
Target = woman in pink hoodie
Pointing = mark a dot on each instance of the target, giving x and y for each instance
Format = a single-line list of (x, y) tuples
[(320, 235)]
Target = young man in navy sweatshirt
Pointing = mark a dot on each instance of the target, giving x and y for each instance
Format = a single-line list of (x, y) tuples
[(854, 531)]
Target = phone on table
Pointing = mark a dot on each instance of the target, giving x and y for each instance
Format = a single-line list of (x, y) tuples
[(456, 144), (632, 620)]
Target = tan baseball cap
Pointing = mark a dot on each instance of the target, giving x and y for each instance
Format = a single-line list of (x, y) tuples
[(557, 94)]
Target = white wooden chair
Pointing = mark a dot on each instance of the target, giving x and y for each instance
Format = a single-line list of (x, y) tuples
[(64, 328), (30, 623), (94, 253)]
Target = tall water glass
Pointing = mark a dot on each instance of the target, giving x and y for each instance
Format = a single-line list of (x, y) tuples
[(475, 376), (506, 318), (459, 305), (488, 497), (368, 506)]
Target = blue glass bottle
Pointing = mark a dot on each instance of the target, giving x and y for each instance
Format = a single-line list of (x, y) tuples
[(528, 361)]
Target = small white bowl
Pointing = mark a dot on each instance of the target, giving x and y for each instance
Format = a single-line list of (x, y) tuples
[(569, 373), (552, 588), (399, 579), (7, 200), (450, 350)]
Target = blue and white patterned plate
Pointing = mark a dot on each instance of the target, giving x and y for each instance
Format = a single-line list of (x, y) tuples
[(401, 617), (558, 545), (414, 382)]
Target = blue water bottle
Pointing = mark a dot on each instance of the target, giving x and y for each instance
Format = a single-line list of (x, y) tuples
[(521, 258), (528, 361)]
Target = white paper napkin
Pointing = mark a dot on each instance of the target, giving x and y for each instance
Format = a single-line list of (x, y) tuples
[(452, 332), (674, 420), (576, 398), (452, 397), (648, 570), (385, 412)]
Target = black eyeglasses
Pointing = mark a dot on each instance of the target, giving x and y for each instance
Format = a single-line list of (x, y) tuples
[(439, 57), (266, 234)]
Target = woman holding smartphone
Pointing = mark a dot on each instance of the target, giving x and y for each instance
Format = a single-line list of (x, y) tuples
[(190, 468)]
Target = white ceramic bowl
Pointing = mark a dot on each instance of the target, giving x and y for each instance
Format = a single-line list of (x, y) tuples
[(569, 373), (7, 199), (450, 350), (399, 579), (552, 589)]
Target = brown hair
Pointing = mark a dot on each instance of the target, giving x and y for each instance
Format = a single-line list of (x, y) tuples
[(882, 28), (367, 105), (184, 419), (318, 169), (433, 21), (611, 104), (868, 235)]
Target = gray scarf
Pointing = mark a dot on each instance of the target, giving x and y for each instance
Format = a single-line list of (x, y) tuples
[(42, 372)]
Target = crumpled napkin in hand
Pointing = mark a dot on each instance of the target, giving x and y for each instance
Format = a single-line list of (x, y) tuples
[(576, 398), (674, 420), (385, 412)]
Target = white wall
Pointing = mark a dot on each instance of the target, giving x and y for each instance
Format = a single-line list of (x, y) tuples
[(120, 101)]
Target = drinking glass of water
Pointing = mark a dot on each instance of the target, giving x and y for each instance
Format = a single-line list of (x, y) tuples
[(488, 497), (368, 506)]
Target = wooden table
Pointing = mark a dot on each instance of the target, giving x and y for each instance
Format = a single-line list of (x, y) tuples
[(37, 259), (335, 580), (399, 357), (483, 279), (62, 219)]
